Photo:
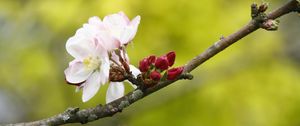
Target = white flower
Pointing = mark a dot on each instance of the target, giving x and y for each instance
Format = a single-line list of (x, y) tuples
[(90, 47), (121, 27), (91, 65), (124, 30)]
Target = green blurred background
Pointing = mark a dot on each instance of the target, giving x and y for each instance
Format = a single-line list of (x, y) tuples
[(253, 83)]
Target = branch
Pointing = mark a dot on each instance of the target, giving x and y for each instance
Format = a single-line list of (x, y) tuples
[(259, 20)]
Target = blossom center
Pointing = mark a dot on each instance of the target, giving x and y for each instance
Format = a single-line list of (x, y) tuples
[(92, 63)]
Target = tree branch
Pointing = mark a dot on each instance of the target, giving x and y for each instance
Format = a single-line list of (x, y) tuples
[(74, 115)]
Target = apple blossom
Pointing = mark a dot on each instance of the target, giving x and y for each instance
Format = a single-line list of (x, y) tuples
[(90, 66), (93, 46)]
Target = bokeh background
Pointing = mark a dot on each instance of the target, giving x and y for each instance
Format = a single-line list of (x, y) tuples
[(256, 82)]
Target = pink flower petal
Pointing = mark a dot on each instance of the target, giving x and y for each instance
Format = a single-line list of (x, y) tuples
[(114, 91), (95, 21), (91, 86), (79, 47), (130, 30), (108, 41), (121, 27), (104, 70), (116, 20), (76, 72), (135, 71)]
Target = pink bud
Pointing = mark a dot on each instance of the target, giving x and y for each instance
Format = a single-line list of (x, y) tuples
[(171, 58), (154, 75), (144, 65), (162, 63), (151, 59), (174, 73)]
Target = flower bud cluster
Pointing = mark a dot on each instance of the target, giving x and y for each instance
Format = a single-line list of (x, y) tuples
[(155, 69)]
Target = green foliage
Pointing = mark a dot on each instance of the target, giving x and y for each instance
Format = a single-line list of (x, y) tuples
[(251, 83)]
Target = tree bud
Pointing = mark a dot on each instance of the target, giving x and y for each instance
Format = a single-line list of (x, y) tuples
[(174, 73), (162, 63), (154, 75), (171, 58)]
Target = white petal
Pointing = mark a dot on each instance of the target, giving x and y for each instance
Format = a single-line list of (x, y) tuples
[(135, 71), (76, 72), (129, 31), (93, 26), (86, 39), (108, 41), (114, 91), (123, 15), (135, 22), (95, 20), (116, 23), (91, 86), (104, 70), (116, 20), (79, 47)]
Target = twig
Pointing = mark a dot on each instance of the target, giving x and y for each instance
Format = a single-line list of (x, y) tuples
[(74, 115)]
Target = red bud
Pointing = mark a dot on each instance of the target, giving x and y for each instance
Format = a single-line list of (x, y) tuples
[(155, 75), (174, 73), (144, 65), (171, 58), (151, 59), (162, 63)]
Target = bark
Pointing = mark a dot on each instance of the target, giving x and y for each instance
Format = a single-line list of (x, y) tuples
[(259, 20)]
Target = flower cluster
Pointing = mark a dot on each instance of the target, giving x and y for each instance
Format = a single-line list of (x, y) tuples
[(98, 49), (100, 57), (153, 68)]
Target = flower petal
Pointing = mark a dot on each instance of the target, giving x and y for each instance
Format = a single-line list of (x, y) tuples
[(135, 71), (123, 15), (80, 47), (114, 91), (135, 22), (76, 72), (87, 39), (130, 30), (91, 86), (95, 21), (104, 70), (116, 23), (108, 41)]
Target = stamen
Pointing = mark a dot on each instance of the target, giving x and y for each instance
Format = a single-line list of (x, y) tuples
[(92, 63)]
